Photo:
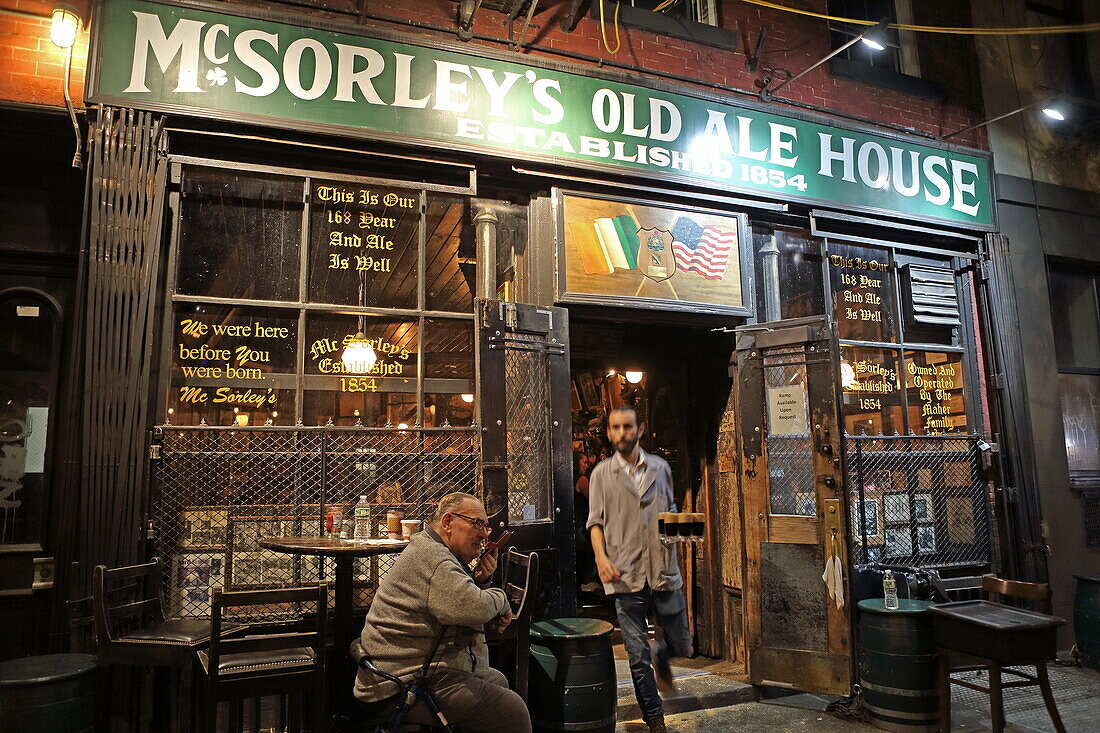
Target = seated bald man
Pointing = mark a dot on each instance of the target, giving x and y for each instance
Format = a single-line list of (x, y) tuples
[(430, 586)]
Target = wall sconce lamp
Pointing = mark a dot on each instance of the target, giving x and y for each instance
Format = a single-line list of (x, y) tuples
[(1053, 107), (874, 37), (64, 24)]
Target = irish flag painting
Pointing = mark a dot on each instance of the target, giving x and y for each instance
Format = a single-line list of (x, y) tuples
[(638, 253)]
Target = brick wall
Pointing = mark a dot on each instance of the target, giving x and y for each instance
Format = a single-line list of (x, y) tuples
[(31, 68)]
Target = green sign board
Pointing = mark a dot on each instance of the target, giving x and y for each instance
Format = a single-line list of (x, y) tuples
[(178, 57)]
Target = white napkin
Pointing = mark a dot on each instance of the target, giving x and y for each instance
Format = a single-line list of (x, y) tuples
[(834, 574)]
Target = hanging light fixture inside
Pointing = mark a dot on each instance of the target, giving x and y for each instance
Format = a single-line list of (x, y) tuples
[(468, 398), (634, 377), (359, 356)]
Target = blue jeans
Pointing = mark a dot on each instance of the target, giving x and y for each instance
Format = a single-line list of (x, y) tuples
[(633, 610)]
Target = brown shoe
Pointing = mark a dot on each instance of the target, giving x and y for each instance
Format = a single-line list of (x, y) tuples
[(657, 726), (662, 672)]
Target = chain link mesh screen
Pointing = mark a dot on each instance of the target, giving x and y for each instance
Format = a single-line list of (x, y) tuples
[(791, 481), (219, 491), (918, 501), (527, 393)]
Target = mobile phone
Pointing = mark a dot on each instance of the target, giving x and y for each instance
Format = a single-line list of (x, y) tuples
[(499, 543)]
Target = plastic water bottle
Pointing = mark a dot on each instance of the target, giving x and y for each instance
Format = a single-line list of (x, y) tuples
[(362, 519), (890, 591)]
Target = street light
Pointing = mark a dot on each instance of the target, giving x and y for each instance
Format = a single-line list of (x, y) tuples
[(874, 38), (1053, 107)]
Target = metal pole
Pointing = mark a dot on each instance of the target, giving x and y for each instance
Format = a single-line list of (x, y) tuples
[(769, 256)]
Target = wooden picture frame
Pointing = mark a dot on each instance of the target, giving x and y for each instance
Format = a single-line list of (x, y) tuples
[(203, 527)]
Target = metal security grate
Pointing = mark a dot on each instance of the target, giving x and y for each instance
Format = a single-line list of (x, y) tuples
[(527, 392), (917, 500), (219, 491)]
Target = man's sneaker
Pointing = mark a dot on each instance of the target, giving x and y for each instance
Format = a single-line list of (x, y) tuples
[(662, 673), (657, 725)]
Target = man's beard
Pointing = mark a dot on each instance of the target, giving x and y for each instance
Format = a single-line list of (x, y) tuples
[(626, 447)]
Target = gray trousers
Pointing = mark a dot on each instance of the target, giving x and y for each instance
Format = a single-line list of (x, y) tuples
[(475, 702)]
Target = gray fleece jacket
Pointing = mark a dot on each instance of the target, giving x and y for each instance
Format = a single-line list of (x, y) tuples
[(426, 588)]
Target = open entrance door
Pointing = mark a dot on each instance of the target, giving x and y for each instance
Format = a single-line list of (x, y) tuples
[(523, 382), (797, 625)]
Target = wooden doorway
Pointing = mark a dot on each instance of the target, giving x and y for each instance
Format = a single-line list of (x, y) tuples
[(797, 628)]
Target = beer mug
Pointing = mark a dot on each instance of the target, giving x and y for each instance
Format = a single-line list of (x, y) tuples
[(661, 517), (685, 526), (672, 526), (698, 524)]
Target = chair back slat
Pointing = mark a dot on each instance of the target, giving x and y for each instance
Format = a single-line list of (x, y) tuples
[(1018, 589), (132, 571), (131, 592), (221, 600), (136, 608), (268, 642)]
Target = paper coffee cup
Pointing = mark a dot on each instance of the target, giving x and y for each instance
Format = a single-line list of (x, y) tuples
[(409, 527)]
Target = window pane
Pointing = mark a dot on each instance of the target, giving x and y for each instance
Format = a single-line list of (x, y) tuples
[(448, 373), (1074, 311), (383, 395), (863, 293), (240, 235), (796, 274), (364, 242), (1081, 418), (450, 264), (871, 400), (790, 447), (28, 377), (934, 388), (232, 365)]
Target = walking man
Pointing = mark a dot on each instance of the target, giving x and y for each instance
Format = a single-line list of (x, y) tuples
[(626, 493)]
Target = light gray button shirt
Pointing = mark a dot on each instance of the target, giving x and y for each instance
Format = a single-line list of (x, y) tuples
[(629, 520)]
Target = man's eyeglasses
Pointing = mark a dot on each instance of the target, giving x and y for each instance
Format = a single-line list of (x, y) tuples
[(479, 524)]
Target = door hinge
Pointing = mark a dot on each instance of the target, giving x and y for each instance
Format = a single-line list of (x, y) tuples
[(43, 573), (510, 315), (1011, 493), (997, 380), (154, 452)]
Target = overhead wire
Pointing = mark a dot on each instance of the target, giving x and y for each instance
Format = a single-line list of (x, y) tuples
[(1027, 31)]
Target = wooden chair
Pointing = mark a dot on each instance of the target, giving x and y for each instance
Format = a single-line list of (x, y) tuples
[(130, 628), (994, 588), (520, 582), (269, 664)]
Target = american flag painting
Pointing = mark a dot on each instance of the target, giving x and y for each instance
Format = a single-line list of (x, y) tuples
[(702, 249)]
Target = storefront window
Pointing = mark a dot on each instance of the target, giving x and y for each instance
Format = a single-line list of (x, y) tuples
[(240, 235), (364, 242), (232, 365), (864, 302), (788, 273), (934, 391), (871, 396)]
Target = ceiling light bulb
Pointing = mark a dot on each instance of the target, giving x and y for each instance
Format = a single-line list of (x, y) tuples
[(64, 24), (467, 398), (402, 426), (635, 377), (1054, 113), (359, 356)]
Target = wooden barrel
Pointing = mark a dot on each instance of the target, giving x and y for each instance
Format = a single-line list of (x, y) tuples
[(1086, 620), (898, 666), (53, 693), (571, 678)]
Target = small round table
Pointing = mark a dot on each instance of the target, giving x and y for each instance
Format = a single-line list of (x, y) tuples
[(344, 552)]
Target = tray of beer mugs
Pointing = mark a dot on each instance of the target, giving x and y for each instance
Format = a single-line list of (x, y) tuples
[(681, 526)]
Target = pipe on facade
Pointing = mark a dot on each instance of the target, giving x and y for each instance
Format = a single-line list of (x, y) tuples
[(485, 223), (769, 258)]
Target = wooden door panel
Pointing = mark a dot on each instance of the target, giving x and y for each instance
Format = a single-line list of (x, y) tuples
[(796, 634)]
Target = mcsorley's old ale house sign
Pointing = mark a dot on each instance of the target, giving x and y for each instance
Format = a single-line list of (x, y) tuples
[(186, 58)]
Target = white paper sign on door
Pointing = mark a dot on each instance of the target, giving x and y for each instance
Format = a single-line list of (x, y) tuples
[(787, 410)]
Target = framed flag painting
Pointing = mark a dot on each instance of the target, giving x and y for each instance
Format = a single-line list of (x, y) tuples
[(643, 254)]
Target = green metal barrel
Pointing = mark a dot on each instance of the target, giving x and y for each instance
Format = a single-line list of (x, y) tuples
[(1086, 620), (898, 666), (54, 693), (571, 678)]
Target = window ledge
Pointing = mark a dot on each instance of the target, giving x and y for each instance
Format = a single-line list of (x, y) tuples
[(885, 78), (664, 24)]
